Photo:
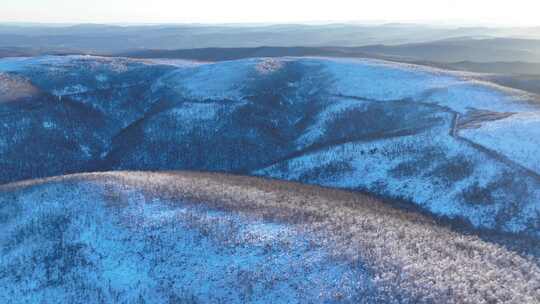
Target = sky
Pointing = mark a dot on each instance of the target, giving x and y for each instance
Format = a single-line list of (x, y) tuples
[(471, 12)]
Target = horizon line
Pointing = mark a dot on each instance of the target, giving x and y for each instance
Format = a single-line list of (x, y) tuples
[(444, 24)]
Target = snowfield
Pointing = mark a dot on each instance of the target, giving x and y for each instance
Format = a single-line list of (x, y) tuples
[(443, 141), (516, 137)]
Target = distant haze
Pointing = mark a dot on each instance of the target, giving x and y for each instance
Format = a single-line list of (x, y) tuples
[(477, 12)]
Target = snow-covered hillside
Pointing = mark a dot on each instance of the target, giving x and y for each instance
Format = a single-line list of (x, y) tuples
[(128, 237), (75, 242), (444, 141)]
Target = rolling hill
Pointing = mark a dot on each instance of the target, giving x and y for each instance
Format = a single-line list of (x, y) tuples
[(103, 38), (179, 237)]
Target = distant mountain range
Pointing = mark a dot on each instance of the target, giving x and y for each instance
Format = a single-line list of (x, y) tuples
[(444, 52), (110, 39)]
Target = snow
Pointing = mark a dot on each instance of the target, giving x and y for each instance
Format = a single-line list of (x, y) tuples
[(70, 90), (217, 81), (185, 118), (516, 137), (102, 77), (16, 64), (11, 64), (314, 96), (153, 251), (269, 65), (48, 124), (318, 129), (373, 164), (383, 81), (179, 63), (87, 152), (375, 80), (198, 111), (465, 95)]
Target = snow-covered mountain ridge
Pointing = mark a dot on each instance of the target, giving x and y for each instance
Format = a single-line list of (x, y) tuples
[(450, 144)]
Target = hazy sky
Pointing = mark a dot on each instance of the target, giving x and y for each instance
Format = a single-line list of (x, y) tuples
[(512, 12)]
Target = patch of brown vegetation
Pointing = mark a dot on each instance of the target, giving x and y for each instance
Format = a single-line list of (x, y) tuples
[(13, 88)]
